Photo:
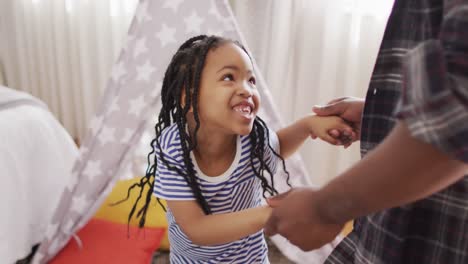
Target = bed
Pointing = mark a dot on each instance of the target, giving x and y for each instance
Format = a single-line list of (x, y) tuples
[(36, 156)]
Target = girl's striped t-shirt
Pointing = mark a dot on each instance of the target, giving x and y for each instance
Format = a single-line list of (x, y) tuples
[(236, 189)]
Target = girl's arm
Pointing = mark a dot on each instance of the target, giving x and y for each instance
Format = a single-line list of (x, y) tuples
[(294, 135), (215, 229)]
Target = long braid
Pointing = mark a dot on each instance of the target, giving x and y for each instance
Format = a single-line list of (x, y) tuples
[(186, 142), (262, 138), (183, 77), (257, 139)]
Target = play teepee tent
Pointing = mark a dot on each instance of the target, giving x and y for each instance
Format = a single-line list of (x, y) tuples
[(131, 98)]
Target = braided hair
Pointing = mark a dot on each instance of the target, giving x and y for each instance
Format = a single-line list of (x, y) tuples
[(182, 77)]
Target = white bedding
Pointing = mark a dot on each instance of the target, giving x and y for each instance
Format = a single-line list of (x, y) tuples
[(36, 156)]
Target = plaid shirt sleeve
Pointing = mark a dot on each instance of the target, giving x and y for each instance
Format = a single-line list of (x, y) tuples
[(434, 102)]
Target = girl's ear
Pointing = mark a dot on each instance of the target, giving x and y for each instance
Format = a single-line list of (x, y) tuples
[(182, 101)]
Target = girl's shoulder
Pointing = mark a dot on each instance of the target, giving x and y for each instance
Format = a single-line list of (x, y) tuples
[(170, 137)]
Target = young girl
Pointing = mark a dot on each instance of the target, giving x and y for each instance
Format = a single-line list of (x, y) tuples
[(213, 155)]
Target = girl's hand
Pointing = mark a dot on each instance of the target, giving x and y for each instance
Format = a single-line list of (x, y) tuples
[(348, 108), (275, 201), (331, 129), (301, 220)]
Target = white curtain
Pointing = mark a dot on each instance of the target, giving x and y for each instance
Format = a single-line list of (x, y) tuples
[(62, 51), (311, 52)]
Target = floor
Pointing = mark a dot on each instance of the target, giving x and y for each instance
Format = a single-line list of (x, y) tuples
[(274, 255)]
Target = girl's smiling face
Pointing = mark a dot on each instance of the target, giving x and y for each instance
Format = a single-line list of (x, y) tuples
[(228, 98)]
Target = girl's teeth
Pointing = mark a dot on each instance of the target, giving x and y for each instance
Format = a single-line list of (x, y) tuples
[(243, 109)]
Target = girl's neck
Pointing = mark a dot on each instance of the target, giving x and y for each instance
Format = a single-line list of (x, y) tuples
[(212, 142), (215, 150)]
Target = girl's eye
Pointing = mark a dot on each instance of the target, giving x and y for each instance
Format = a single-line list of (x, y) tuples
[(252, 80), (228, 77)]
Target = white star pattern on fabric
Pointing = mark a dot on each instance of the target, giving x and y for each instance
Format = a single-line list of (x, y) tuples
[(127, 136), (215, 32), (166, 35), (114, 106), (83, 150), (118, 71), (136, 105), (172, 4), (72, 182), (193, 23), (107, 135), (128, 40), (144, 72), (227, 24), (214, 10), (157, 89), (142, 12), (79, 204), (95, 124), (93, 169), (140, 47), (226, 21)]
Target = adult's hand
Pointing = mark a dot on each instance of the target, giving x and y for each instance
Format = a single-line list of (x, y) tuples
[(296, 216), (348, 108)]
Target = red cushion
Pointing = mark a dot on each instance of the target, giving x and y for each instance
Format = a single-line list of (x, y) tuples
[(108, 242)]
